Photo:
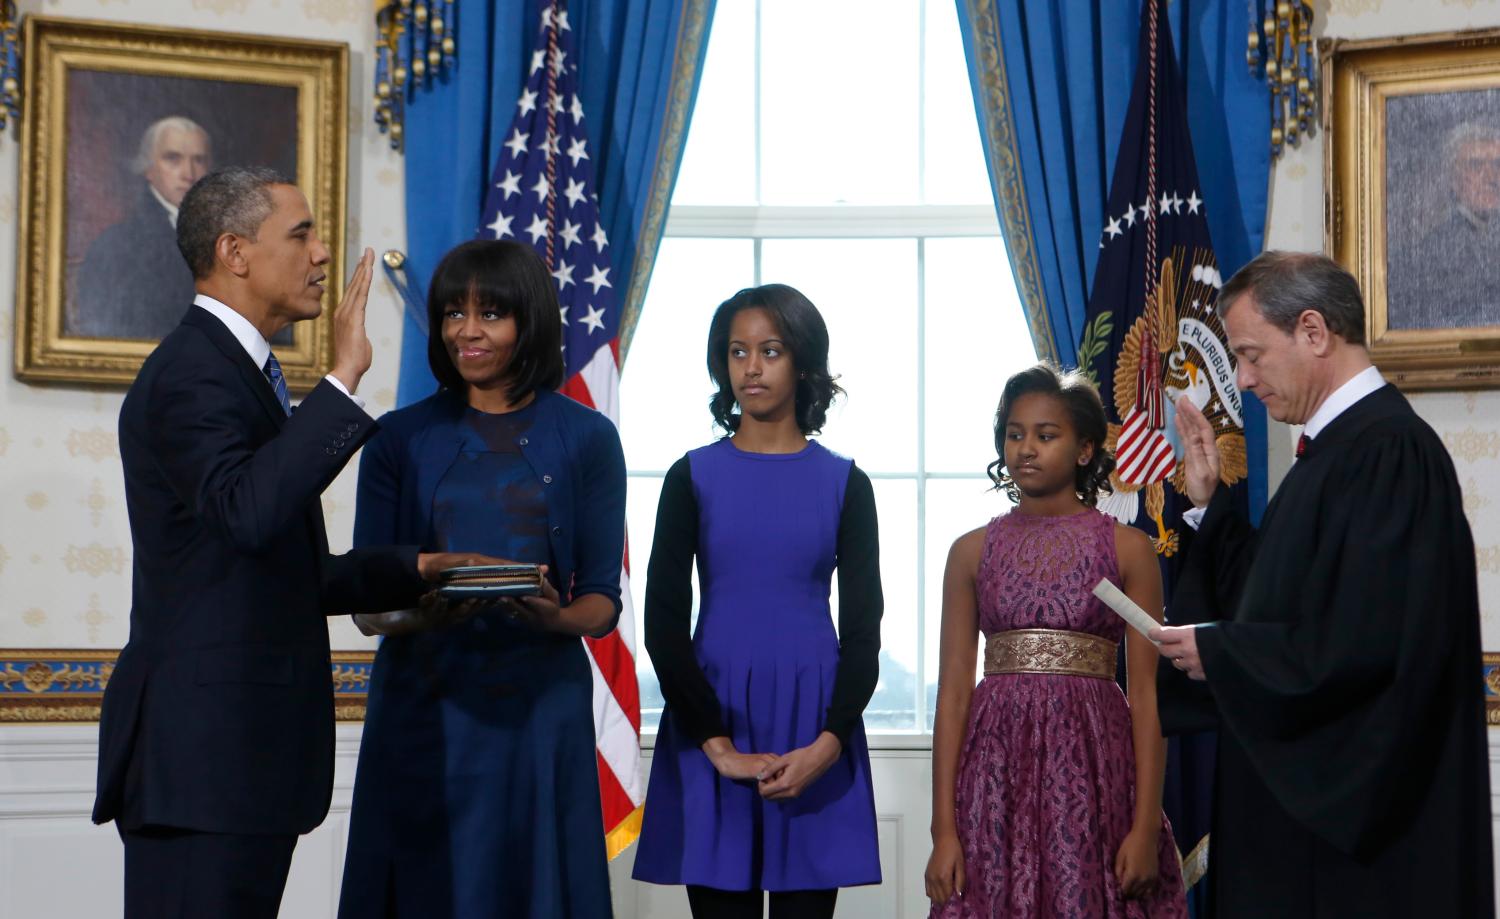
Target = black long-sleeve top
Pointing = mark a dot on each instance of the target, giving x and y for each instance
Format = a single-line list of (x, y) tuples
[(669, 606)]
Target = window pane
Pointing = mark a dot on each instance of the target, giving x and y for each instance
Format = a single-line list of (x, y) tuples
[(894, 705), (866, 291), (954, 507), (976, 338), (839, 102), (664, 388), (641, 495), (718, 163), (954, 170)]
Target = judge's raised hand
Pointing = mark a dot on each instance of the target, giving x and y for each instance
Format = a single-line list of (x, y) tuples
[(352, 353), (1199, 452), (1179, 644)]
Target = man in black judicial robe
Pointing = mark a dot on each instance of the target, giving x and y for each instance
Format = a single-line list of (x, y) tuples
[(1343, 673)]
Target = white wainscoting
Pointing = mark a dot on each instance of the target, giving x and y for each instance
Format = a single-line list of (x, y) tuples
[(54, 862)]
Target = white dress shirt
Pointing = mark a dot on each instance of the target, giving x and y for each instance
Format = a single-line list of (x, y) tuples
[(1339, 401), (171, 208), (1354, 389), (253, 342)]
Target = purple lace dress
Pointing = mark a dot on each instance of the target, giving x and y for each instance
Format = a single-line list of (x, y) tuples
[(1046, 777)]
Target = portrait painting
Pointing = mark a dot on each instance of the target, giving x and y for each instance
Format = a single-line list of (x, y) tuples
[(118, 124), (128, 167), (1412, 176), (1442, 215)]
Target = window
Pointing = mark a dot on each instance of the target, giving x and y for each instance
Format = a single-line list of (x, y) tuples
[(835, 148)]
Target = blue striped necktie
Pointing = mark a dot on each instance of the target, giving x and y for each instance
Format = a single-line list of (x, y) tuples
[(272, 370)]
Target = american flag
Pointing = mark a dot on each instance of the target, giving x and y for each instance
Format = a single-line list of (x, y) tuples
[(1153, 335), (543, 192)]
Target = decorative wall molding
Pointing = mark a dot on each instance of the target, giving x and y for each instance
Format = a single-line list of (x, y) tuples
[(67, 684)]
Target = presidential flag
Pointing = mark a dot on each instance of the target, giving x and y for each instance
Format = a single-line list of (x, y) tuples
[(543, 192), (1153, 335)]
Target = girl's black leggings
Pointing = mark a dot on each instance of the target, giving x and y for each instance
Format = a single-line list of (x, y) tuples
[(712, 903)]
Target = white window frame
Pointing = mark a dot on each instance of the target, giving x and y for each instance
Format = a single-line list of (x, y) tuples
[(919, 223)]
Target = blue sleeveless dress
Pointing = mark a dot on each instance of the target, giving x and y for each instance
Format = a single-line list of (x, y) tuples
[(767, 539)]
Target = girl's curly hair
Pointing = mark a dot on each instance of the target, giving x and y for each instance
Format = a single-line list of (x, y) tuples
[(805, 336), (1085, 409)]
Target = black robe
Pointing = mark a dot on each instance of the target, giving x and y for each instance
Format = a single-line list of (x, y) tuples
[(1353, 774)]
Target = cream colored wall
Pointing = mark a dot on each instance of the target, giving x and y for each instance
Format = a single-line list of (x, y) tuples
[(65, 552), (1469, 422)]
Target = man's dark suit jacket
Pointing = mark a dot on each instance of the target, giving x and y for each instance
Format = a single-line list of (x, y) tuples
[(219, 714)]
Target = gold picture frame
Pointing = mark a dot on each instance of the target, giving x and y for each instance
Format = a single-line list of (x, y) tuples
[(93, 93), (1411, 164)]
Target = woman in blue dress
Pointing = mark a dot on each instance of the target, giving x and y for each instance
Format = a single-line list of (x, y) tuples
[(761, 777), (477, 789)]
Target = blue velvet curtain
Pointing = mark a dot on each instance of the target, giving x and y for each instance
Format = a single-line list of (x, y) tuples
[(639, 67), (1051, 84)]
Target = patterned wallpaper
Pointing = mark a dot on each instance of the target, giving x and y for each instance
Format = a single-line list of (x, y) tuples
[(64, 537)]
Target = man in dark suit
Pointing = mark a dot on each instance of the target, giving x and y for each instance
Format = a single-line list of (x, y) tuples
[(216, 736)]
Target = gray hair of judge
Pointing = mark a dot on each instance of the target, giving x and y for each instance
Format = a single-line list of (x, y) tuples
[(235, 200), (1284, 285), (152, 135)]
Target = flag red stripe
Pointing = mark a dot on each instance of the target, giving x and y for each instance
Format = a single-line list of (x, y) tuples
[(615, 803), (577, 390), (1150, 461), (1129, 452), (1161, 466), (618, 668)]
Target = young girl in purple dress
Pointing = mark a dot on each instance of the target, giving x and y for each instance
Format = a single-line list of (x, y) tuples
[(1048, 804), (761, 776)]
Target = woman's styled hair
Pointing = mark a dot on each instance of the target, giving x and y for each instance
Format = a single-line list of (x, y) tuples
[(510, 279), (805, 336), (1085, 410)]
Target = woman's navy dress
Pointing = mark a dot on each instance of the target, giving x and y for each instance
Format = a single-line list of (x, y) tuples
[(477, 789)]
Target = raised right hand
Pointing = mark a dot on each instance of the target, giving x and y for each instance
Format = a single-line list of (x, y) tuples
[(945, 869), (1199, 452), (352, 352)]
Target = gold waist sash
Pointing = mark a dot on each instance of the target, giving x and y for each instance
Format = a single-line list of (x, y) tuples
[(1049, 651)]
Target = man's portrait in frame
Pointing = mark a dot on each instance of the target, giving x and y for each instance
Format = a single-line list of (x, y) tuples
[(1443, 210), (118, 121), (1411, 169), (137, 143)]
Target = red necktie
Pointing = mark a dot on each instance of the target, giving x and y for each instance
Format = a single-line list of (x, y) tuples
[(1302, 443)]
